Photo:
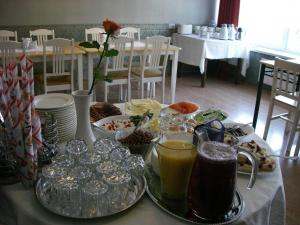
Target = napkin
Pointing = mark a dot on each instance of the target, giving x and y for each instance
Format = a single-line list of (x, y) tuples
[(22, 123)]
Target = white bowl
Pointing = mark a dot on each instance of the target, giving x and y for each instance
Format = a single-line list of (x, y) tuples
[(111, 133)]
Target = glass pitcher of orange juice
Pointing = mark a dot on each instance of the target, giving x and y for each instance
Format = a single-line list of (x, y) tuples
[(176, 155)]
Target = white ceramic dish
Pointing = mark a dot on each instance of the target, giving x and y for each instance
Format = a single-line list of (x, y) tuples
[(169, 111), (110, 133), (53, 101), (247, 129), (140, 106)]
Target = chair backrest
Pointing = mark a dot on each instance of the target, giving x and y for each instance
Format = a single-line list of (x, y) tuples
[(123, 60), (42, 35), (8, 52), (58, 58), (96, 34), (155, 48), (6, 35), (131, 32), (286, 79)]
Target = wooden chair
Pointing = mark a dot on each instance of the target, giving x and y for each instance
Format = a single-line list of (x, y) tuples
[(96, 34), (131, 32), (285, 93), (152, 68), (118, 68), (8, 52), (42, 35), (6, 35), (58, 79)]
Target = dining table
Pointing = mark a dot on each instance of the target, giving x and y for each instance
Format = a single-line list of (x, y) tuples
[(264, 203), (196, 50), (138, 50)]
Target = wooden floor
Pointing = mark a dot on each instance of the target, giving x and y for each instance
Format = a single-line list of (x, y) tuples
[(238, 101)]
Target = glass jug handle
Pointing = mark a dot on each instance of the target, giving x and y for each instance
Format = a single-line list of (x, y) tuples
[(254, 163)]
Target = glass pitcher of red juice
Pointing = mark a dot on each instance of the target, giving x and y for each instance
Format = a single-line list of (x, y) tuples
[(212, 184)]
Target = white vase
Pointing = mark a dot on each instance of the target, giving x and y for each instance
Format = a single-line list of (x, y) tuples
[(82, 103)]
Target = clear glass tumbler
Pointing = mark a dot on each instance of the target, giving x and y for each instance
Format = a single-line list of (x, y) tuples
[(94, 199), (119, 183)]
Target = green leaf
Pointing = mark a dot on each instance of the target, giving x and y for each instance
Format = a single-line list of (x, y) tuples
[(111, 53), (96, 44), (87, 44)]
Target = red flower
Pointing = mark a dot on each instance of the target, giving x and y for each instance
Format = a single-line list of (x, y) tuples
[(110, 26)]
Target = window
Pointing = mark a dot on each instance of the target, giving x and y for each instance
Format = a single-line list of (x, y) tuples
[(272, 24)]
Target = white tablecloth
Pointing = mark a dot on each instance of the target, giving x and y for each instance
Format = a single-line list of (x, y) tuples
[(264, 205), (195, 50)]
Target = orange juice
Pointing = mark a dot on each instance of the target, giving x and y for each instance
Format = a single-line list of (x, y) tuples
[(176, 158)]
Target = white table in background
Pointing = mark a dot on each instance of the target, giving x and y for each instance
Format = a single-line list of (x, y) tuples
[(138, 50), (196, 50)]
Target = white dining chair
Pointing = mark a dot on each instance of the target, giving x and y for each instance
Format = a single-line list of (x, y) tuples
[(42, 35), (118, 68), (95, 34), (152, 68), (59, 78), (285, 93), (6, 35), (8, 52), (131, 32)]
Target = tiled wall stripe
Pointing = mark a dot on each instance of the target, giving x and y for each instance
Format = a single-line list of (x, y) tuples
[(76, 31)]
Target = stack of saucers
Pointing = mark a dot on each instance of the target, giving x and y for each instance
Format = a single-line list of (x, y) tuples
[(62, 108)]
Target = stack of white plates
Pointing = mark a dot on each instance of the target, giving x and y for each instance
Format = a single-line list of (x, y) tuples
[(62, 107)]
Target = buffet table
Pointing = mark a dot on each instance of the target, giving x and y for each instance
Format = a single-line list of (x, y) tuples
[(196, 50), (264, 204)]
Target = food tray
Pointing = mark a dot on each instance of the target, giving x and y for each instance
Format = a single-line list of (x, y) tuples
[(139, 188), (180, 210)]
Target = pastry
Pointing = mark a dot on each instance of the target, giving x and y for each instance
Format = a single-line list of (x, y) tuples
[(101, 110), (265, 162)]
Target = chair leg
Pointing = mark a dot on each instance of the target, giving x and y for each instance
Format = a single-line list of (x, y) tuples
[(292, 134), (142, 88), (163, 92), (120, 92), (269, 117), (129, 91), (296, 153), (149, 89), (287, 127), (105, 92), (153, 89)]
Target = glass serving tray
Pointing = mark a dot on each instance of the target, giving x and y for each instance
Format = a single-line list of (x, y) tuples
[(43, 196), (179, 208)]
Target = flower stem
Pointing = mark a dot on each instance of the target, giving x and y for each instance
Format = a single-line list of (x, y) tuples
[(98, 65)]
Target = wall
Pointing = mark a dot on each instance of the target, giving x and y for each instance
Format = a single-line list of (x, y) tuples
[(45, 12)]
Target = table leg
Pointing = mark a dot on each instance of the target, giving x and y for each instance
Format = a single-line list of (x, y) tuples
[(204, 75), (238, 71), (80, 72), (174, 76), (258, 95)]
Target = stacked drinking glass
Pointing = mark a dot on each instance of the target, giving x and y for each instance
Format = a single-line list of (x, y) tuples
[(83, 183)]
